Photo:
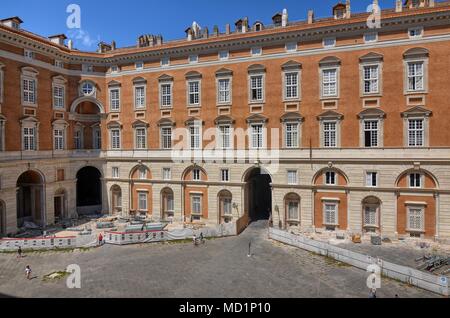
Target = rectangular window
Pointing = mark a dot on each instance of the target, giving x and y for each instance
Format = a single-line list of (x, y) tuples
[(415, 76), (195, 137), (85, 68), (115, 139), (196, 175), (59, 64), (291, 85), (139, 65), (114, 95), (291, 46), (196, 204), (293, 214), (256, 51), (416, 133), (227, 206), (415, 180), (58, 136), (166, 138), (167, 174), (194, 92), (165, 61), (97, 139), (370, 37), (224, 55), (416, 219), (330, 178), (166, 95), (370, 216), (139, 97), (78, 139), (224, 95), (29, 139), (330, 217), (193, 59), (329, 134), (256, 88), (142, 201), (329, 82), (292, 177), (371, 79), (415, 32), (225, 136), (291, 135), (329, 42), (115, 172), (257, 136), (58, 96), (371, 179), (29, 91), (225, 175), (141, 138), (29, 54), (114, 69), (142, 174), (371, 133)]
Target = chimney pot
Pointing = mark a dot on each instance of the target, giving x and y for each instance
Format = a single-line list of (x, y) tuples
[(227, 29), (310, 16), (399, 6)]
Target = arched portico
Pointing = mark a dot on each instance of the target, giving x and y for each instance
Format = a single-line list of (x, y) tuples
[(258, 194), (31, 198)]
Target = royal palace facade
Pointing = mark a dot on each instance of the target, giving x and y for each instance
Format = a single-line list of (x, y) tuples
[(335, 123)]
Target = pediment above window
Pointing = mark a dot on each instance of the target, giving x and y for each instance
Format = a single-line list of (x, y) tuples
[(165, 78), (224, 120), (291, 66), (193, 75), (417, 111), (166, 122), (417, 52), (139, 80), (330, 61), (371, 57), (291, 117), (114, 124), (59, 80), (29, 71), (114, 84), (29, 119), (372, 113), (194, 121), (60, 122), (224, 72), (140, 123), (330, 115), (256, 68), (257, 118)]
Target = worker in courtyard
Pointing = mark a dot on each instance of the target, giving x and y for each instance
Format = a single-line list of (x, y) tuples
[(100, 239), (194, 239), (28, 272), (19, 252)]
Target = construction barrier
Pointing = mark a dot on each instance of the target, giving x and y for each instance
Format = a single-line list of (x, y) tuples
[(414, 277), (38, 243)]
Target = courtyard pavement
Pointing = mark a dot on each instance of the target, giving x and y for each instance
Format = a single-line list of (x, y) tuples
[(220, 268)]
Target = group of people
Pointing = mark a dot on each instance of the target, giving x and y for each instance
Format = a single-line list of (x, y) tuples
[(199, 240), (28, 270)]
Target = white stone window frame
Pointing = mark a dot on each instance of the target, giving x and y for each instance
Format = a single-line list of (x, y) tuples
[(422, 209), (224, 58), (380, 131), (376, 225), (79, 128), (115, 172), (366, 179), (29, 74), (87, 68), (324, 42), (263, 135), (161, 136), (135, 87), (163, 173), (189, 93), (263, 99), (230, 101), (369, 34), (293, 171), (161, 84), (230, 133), (165, 61), (193, 59), (195, 125), (200, 202), (115, 69), (30, 123), (299, 80), (338, 133), (225, 172), (135, 131), (196, 174), (421, 178), (61, 83), (137, 67), (111, 130), (416, 28), (110, 104), (293, 49), (325, 179), (336, 217), (29, 55), (96, 139), (406, 62), (322, 70), (288, 218), (142, 194), (94, 89), (60, 125), (256, 48), (362, 67), (299, 125), (426, 132)]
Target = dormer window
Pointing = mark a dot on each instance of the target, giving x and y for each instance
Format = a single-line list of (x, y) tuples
[(15, 25), (340, 14), (29, 55), (415, 33)]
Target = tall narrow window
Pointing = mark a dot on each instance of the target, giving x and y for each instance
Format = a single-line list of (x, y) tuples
[(142, 198), (291, 85), (196, 175), (114, 95), (371, 79), (371, 179), (292, 177), (227, 206), (195, 137), (139, 97), (292, 209), (141, 138), (196, 204), (58, 137), (194, 92), (416, 133), (225, 136), (29, 139), (166, 95), (329, 134), (58, 96), (370, 216), (330, 217), (371, 133), (224, 95), (415, 76), (115, 172), (257, 136), (291, 135), (330, 178), (256, 88), (29, 91), (225, 175), (415, 180), (97, 139), (416, 219), (115, 139), (167, 174), (329, 82), (78, 139), (166, 138)]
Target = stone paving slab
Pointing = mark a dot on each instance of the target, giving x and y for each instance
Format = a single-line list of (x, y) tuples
[(220, 268)]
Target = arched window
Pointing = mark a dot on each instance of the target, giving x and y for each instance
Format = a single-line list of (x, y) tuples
[(167, 204), (292, 208), (225, 206)]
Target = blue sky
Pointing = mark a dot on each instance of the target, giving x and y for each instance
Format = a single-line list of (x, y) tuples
[(125, 21)]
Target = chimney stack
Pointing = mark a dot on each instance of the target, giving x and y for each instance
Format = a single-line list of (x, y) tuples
[(13, 22), (113, 45), (399, 6), (70, 44), (227, 29), (432, 3), (58, 39), (348, 9), (310, 16), (284, 18), (216, 30)]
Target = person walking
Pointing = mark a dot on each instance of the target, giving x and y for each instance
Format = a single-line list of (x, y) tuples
[(19, 252), (28, 272), (100, 239), (373, 293)]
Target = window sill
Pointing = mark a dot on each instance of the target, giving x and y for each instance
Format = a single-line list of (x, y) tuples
[(334, 97), (408, 93), (292, 100), (228, 104), (140, 109), (367, 95), (194, 106), (256, 102), (415, 231), (166, 107), (29, 105), (371, 227)]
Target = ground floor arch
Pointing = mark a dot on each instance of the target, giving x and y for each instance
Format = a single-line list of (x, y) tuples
[(258, 194), (225, 199), (292, 209), (60, 204), (89, 191), (2, 219), (116, 199), (30, 198), (371, 214)]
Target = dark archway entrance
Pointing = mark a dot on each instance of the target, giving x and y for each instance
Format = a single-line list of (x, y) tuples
[(89, 191), (2, 219), (258, 195), (30, 199)]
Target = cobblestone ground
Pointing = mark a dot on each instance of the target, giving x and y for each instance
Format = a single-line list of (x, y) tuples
[(220, 268)]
